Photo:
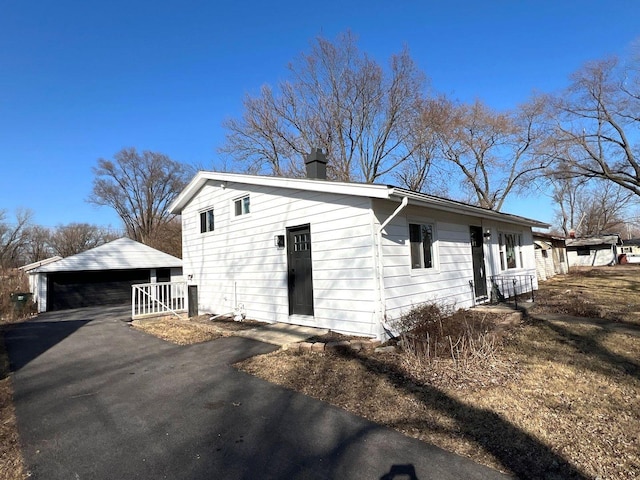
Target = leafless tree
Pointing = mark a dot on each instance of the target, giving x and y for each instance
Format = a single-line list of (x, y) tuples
[(37, 246), (67, 240), (337, 99), (596, 124), (140, 187), (495, 153), (591, 206), (13, 237)]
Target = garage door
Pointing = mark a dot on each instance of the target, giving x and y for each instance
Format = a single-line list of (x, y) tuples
[(88, 289)]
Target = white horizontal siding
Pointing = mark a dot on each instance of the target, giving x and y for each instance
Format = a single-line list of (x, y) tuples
[(449, 280), (239, 263)]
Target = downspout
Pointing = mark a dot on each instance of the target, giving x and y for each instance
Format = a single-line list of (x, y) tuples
[(380, 266)]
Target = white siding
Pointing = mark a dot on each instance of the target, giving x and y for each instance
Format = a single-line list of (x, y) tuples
[(449, 280), (238, 263)]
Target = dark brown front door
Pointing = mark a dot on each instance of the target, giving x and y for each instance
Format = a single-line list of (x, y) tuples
[(299, 267), (477, 254)]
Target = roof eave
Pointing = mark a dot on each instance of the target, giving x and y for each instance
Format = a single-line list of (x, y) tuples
[(451, 206), (313, 185)]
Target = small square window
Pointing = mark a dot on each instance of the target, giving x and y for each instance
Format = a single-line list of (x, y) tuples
[(207, 221), (242, 206)]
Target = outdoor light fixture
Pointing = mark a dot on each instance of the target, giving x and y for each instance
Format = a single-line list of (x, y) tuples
[(278, 240), (487, 234)]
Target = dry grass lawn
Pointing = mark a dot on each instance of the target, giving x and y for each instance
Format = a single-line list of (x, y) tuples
[(185, 331), (556, 400)]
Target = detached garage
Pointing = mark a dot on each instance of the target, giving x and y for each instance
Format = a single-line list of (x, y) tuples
[(102, 275)]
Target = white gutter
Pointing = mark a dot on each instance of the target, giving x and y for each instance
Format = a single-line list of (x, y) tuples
[(377, 237)]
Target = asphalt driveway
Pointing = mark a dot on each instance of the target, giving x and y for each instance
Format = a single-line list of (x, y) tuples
[(98, 400)]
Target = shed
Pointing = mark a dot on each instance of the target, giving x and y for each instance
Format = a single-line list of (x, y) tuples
[(593, 251), (102, 275), (349, 257)]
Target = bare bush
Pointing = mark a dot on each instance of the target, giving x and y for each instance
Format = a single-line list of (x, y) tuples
[(434, 333), (13, 281)]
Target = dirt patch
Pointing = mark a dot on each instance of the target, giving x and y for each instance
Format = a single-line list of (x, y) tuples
[(553, 400)]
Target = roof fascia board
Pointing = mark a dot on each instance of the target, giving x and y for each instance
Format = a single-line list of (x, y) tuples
[(325, 186), (456, 207)]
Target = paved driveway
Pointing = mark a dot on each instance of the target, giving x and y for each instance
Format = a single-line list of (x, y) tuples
[(97, 400)]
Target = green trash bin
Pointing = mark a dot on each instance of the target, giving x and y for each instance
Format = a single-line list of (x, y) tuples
[(20, 301)]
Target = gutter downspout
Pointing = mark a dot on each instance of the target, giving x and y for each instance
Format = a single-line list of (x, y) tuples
[(380, 267)]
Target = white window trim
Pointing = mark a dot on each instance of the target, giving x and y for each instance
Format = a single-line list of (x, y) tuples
[(435, 247), (233, 215), (519, 253), (198, 224)]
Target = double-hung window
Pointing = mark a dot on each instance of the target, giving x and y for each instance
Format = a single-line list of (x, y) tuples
[(242, 206), (207, 221), (510, 246), (421, 242)]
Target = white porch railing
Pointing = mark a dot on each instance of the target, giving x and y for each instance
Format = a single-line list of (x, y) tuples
[(149, 299)]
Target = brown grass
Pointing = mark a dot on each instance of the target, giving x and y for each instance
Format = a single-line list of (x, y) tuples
[(611, 293), (556, 400), (185, 331)]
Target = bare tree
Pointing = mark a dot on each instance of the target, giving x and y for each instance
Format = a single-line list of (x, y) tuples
[(13, 237), (597, 120), (591, 207), (140, 187), (495, 153), (37, 246), (337, 99), (67, 240)]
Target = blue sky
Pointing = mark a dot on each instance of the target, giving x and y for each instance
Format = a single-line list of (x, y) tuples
[(81, 80)]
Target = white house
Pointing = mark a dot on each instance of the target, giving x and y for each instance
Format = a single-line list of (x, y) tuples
[(345, 256), (102, 275)]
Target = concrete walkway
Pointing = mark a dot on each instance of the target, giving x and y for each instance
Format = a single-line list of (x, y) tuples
[(281, 334), (98, 400)]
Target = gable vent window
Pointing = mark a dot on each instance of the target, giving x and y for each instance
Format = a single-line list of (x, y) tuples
[(421, 240), (206, 221), (242, 206)]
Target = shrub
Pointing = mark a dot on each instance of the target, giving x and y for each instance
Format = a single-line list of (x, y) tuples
[(434, 332), (13, 281)]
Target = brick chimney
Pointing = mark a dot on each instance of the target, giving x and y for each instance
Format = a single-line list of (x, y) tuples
[(316, 163)]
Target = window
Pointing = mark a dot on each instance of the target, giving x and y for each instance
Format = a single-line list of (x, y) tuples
[(545, 254), (421, 241), (242, 206), (206, 221), (510, 250), (583, 251)]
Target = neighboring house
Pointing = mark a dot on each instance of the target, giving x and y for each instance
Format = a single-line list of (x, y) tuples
[(631, 250), (34, 280), (551, 255), (593, 251), (102, 275), (344, 256)]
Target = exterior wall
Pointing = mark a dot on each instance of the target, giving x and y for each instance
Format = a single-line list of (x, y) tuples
[(599, 255), (40, 290), (451, 278), (239, 263)]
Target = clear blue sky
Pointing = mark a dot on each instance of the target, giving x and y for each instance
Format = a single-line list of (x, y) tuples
[(82, 80)]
